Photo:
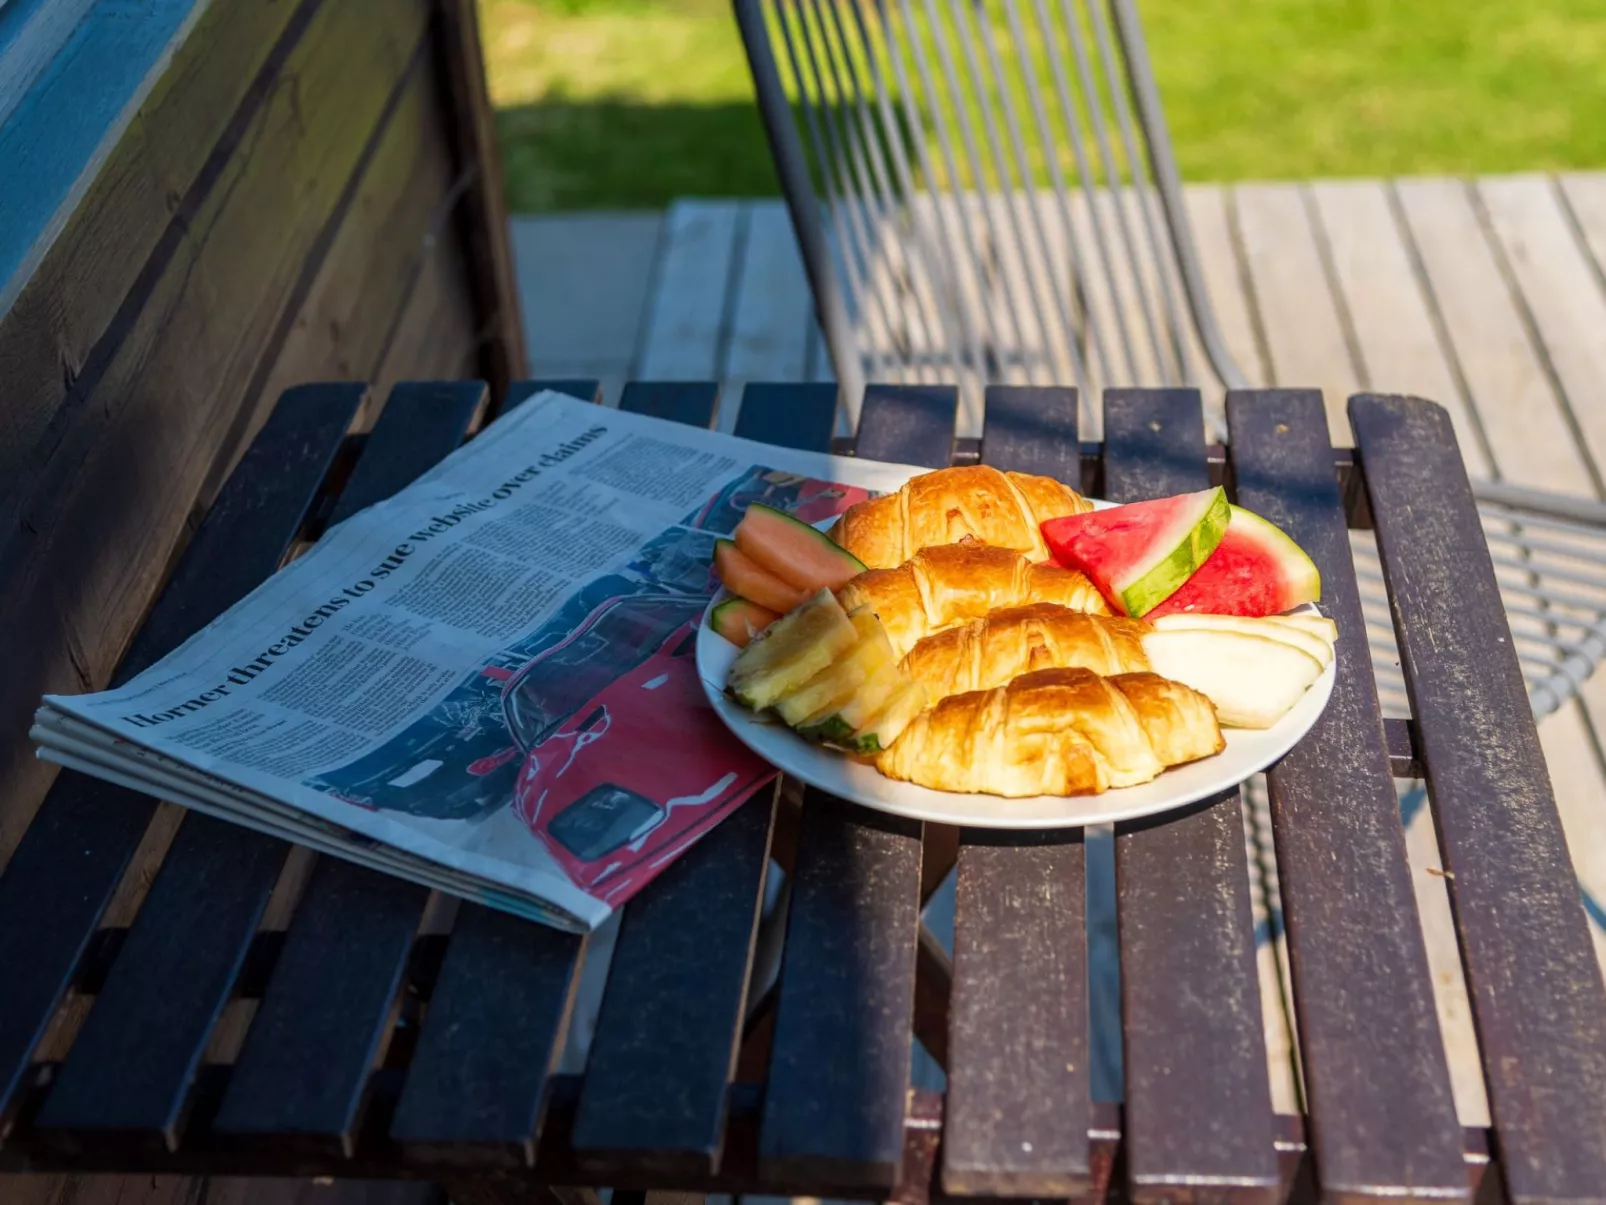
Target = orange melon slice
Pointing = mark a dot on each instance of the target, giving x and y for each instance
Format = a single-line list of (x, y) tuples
[(741, 575), (793, 551), (738, 620)]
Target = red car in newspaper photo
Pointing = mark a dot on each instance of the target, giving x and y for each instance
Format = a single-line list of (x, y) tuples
[(624, 763)]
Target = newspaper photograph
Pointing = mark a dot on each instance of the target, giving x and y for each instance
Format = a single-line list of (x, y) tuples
[(486, 683)]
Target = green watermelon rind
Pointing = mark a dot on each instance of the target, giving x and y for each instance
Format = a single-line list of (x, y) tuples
[(1298, 580), (1165, 577)]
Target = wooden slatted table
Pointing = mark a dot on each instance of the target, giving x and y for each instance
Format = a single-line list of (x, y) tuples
[(380, 1048)]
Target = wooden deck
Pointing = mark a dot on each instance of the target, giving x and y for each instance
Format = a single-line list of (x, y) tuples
[(1488, 296)]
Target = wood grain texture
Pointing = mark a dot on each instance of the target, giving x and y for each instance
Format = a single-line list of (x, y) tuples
[(171, 388), (32, 32), (1306, 341), (129, 1074), (1382, 1118), (1197, 1102), (691, 402), (1018, 1100), (62, 129), (656, 1083), (1018, 1110), (67, 866), (1536, 989), (495, 1028), (790, 416), (839, 1066), (687, 321), (403, 205), (771, 310), (483, 220), (909, 424), (304, 1066)]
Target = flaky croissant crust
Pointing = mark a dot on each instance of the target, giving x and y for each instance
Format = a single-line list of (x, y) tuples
[(1004, 509), (1056, 732), (951, 584)]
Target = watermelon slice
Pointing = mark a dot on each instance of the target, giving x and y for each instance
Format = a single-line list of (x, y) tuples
[(1140, 554), (1256, 570), (793, 551)]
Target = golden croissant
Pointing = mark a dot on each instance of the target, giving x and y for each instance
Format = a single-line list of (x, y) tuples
[(1012, 641), (1056, 732), (953, 583), (998, 508)]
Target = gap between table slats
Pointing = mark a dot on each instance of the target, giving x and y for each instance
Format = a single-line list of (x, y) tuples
[(328, 1007), (1018, 1100), (839, 1064), (72, 856), (129, 1074), (1197, 1099), (1536, 989), (1382, 1118)]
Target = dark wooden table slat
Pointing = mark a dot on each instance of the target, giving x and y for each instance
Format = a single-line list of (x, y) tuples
[(1197, 1098), (301, 1073), (584, 389), (68, 863), (667, 1034), (1018, 1102), (689, 402), (656, 1083), (839, 1066), (1382, 1117), (789, 415), (131, 1069), (1535, 986), (479, 1074)]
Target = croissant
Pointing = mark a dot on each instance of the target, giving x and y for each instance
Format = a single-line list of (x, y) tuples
[(1012, 641), (1056, 732), (952, 583), (1003, 509)]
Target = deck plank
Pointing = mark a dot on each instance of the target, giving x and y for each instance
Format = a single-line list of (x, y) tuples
[(1304, 330), (1208, 214), (586, 281), (1531, 445), (686, 316), (770, 313), (1400, 351)]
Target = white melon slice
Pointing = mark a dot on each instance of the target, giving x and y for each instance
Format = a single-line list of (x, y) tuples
[(1294, 635), (1307, 621), (1253, 680)]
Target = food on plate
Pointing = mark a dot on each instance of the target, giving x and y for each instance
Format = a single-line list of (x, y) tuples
[(844, 677), (1055, 732), (738, 620), (1256, 570), (1005, 510), (791, 651), (741, 575), (1307, 621), (831, 676), (1012, 641), (1253, 680), (953, 583), (1298, 635), (1141, 553), (793, 551)]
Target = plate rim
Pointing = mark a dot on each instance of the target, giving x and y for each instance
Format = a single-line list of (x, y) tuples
[(980, 810)]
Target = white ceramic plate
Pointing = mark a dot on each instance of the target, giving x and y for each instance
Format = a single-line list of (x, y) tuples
[(1248, 752)]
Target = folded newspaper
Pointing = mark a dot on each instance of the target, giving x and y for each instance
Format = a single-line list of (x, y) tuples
[(485, 684)]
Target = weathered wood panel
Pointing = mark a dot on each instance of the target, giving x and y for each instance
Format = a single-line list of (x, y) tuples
[(294, 199)]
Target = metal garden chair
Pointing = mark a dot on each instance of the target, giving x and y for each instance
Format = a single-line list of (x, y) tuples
[(983, 191)]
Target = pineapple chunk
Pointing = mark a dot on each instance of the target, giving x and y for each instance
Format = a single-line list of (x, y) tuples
[(790, 651), (887, 725), (841, 680), (835, 723)]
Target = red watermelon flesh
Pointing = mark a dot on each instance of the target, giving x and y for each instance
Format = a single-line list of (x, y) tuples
[(1141, 553), (1256, 570)]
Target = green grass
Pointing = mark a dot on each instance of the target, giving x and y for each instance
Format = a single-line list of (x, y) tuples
[(630, 103)]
